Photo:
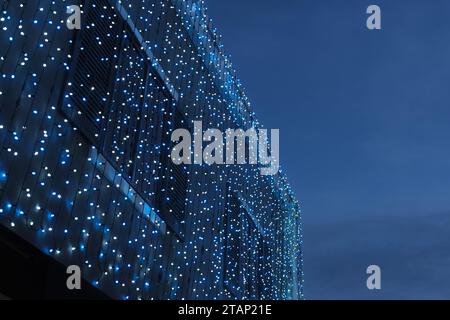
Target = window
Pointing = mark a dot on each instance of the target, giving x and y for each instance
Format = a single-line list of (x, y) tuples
[(122, 106), (174, 185), (245, 258), (90, 85)]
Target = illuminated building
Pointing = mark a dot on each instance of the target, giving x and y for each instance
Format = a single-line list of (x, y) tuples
[(85, 175)]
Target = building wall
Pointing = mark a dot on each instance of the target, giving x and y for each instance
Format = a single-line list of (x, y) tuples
[(85, 176)]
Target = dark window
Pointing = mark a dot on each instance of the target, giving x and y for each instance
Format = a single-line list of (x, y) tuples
[(121, 105), (121, 133), (233, 246), (245, 258), (90, 87), (173, 186)]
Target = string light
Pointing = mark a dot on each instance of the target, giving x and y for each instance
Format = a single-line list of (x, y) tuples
[(89, 177)]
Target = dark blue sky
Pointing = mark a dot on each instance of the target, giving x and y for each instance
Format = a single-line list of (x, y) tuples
[(364, 119)]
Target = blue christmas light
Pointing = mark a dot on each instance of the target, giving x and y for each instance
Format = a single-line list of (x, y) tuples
[(95, 179)]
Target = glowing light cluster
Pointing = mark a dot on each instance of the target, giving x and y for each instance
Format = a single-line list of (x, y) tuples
[(85, 174)]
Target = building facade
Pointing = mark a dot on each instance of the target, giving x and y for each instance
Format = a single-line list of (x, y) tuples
[(86, 118)]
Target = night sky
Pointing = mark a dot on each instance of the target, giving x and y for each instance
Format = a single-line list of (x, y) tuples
[(364, 119)]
